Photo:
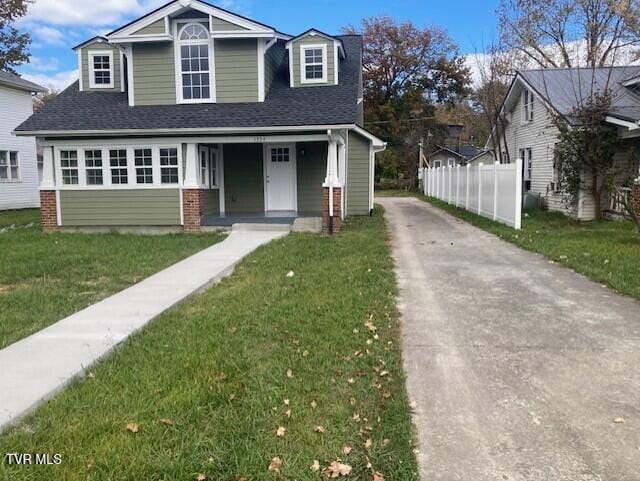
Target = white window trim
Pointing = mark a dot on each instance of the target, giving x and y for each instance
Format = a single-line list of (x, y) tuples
[(303, 63), (154, 173), (92, 79), (9, 178), (527, 107), (82, 160), (177, 30), (178, 166)]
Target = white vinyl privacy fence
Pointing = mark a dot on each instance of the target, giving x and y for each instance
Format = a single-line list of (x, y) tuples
[(493, 190)]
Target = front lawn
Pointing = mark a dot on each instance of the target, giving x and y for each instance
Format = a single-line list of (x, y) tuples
[(46, 277), (294, 359), (605, 251), (19, 218)]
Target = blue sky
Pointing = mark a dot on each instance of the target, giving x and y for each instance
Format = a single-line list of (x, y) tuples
[(57, 25)]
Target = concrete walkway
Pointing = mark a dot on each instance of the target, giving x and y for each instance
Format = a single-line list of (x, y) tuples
[(36, 368), (522, 370)]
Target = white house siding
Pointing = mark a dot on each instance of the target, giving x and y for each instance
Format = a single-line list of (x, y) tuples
[(15, 107), (540, 135)]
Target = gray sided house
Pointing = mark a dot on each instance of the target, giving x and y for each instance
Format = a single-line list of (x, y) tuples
[(194, 116), (18, 160), (535, 97), (458, 155)]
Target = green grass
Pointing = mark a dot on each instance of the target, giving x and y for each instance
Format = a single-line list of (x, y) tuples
[(46, 277), (606, 251), (217, 366), (19, 218)]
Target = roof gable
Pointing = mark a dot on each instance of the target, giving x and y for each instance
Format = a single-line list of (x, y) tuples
[(312, 32)]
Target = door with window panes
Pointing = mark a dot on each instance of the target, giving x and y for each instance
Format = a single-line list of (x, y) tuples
[(280, 177)]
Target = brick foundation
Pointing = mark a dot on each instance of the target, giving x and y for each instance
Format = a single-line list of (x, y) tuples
[(636, 198), (327, 228), (48, 211), (192, 205)]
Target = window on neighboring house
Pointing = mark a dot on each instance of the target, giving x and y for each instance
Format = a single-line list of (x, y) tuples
[(527, 102), (143, 161), (93, 166), (314, 59), (101, 70), (69, 166), (9, 166), (437, 163), (169, 166), (527, 166), (194, 63), (118, 164)]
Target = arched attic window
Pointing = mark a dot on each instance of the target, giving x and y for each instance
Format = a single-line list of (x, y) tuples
[(195, 74)]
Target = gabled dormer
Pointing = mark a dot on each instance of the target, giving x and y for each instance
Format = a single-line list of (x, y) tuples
[(314, 59), (100, 66)]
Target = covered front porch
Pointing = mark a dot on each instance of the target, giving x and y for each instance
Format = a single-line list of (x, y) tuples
[(263, 180)]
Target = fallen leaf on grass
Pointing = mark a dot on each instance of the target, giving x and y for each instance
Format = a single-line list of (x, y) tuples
[(314, 404), (201, 477), (336, 469), (286, 402), (319, 429), (378, 477), (386, 394), (385, 442), (305, 353), (413, 405), (347, 450), (356, 417), (289, 373), (275, 465), (619, 420), (368, 443), (291, 274), (91, 463), (167, 421), (315, 466), (133, 427), (281, 432), (351, 380), (91, 375), (288, 413), (370, 326)]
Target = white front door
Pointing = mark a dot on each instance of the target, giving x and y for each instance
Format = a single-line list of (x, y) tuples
[(280, 177)]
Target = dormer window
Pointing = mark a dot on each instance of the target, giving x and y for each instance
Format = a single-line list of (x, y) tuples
[(314, 64), (195, 67), (101, 69)]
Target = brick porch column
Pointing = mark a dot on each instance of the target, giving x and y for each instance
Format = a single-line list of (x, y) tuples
[(48, 211), (192, 205), (635, 197), (331, 225)]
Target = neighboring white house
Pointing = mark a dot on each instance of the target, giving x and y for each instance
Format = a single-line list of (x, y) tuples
[(18, 161), (534, 97), (459, 155)]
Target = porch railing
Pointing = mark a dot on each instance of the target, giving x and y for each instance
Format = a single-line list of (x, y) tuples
[(618, 199)]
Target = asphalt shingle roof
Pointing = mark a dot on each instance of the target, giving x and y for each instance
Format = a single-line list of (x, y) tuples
[(565, 88), (73, 110), (12, 80)]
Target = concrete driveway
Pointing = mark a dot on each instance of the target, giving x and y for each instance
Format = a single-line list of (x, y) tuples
[(522, 370)]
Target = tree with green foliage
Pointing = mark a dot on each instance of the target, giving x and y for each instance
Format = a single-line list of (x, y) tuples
[(408, 71), (13, 44)]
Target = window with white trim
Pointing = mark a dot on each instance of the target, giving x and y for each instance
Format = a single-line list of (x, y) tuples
[(527, 165), (100, 69), (195, 78), (280, 154), (143, 161), (527, 102), (69, 167), (9, 166), (314, 63), (118, 164), (169, 165), (93, 166)]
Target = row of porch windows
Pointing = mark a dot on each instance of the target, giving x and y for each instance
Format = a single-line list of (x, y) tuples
[(118, 163)]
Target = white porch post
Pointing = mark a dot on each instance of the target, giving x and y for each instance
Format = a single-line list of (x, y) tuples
[(331, 183), (48, 182), (191, 168)]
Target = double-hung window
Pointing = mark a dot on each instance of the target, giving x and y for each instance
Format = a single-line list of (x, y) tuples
[(314, 63), (9, 166), (69, 166), (195, 77), (100, 69), (144, 166), (118, 164), (93, 166), (527, 102), (169, 166), (527, 166)]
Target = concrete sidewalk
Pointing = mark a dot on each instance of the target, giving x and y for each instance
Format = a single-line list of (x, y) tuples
[(522, 370), (36, 368)]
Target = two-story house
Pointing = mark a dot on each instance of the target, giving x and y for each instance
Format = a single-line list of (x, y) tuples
[(192, 115), (534, 98), (18, 160)]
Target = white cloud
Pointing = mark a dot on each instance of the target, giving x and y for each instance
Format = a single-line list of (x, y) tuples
[(41, 64), (58, 81), (49, 35)]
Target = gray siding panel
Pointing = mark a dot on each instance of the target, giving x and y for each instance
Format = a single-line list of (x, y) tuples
[(219, 25), (243, 178), (297, 64), (154, 74), (358, 166), (236, 70), (84, 55), (311, 173), (120, 207), (156, 28)]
